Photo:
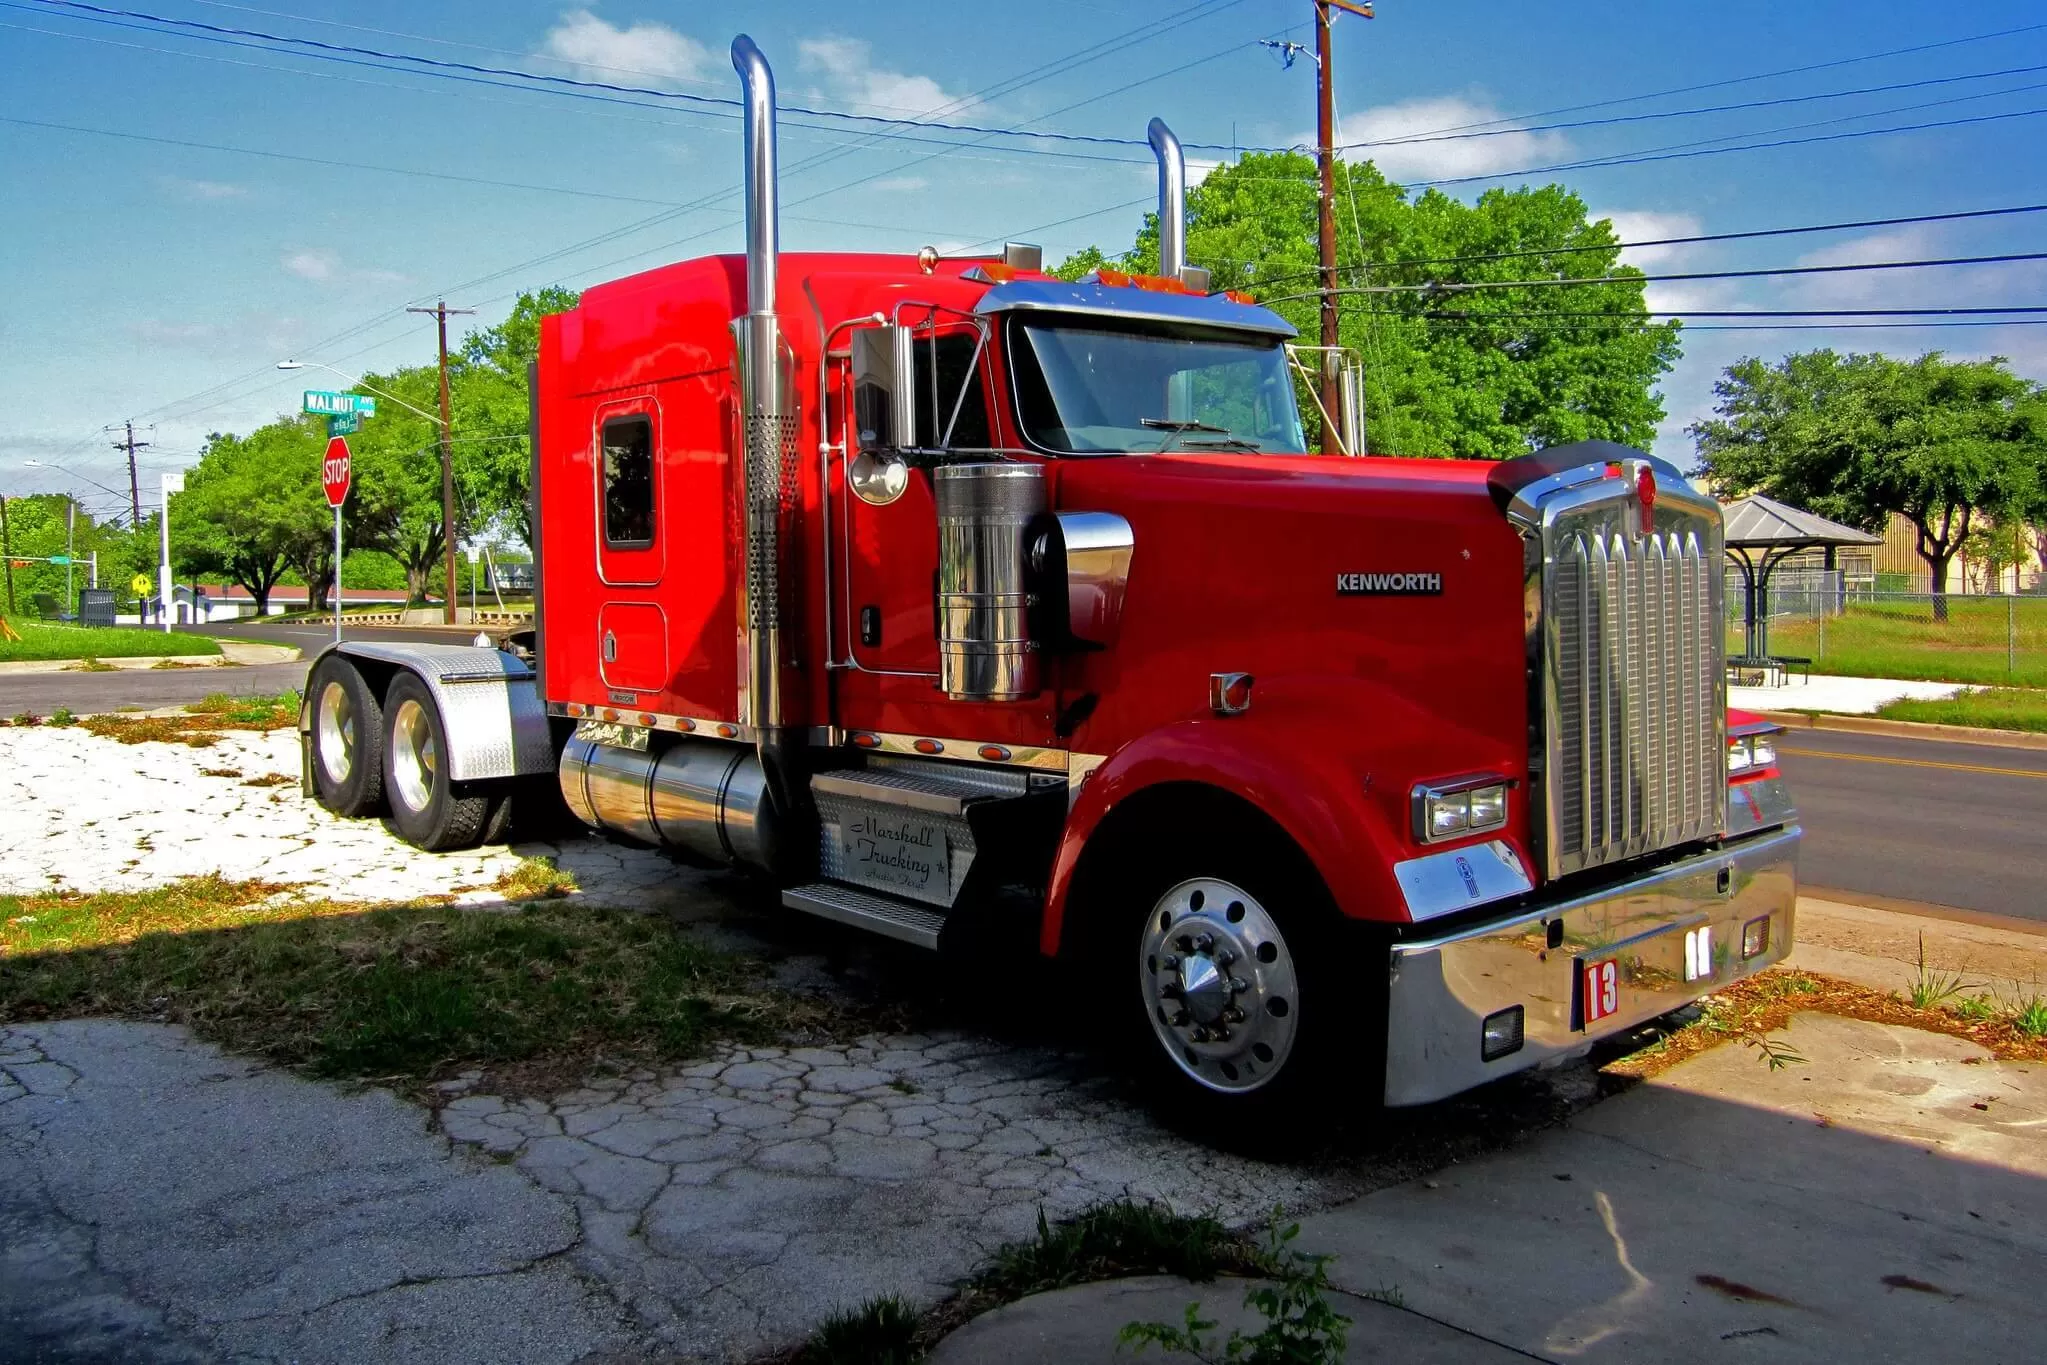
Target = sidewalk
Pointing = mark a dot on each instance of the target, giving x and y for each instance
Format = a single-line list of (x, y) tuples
[(1881, 948), (1846, 696)]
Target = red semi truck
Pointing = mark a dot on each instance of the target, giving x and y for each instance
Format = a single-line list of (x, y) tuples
[(934, 589)]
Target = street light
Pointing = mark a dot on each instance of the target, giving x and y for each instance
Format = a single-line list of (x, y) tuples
[(447, 469)]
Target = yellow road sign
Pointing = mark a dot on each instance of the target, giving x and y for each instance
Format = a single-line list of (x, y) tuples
[(140, 583)]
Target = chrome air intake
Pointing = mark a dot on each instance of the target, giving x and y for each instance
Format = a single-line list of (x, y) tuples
[(708, 798), (768, 425), (1172, 198), (985, 516)]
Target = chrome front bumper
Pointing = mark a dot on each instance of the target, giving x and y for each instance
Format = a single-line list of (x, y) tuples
[(1444, 988)]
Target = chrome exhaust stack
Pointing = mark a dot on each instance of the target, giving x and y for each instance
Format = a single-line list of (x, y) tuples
[(1172, 198), (767, 424)]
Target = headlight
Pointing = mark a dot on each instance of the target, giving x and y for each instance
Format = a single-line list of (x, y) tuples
[(1741, 755), (1450, 810), (1750, 751)]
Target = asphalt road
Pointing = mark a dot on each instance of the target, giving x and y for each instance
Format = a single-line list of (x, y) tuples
[(1961, 825), (149, 689)]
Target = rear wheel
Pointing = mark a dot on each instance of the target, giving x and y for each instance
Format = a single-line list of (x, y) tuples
[(428, 809), (347, 739)]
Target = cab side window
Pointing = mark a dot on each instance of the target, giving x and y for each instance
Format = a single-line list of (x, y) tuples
[(956, 370), (628, 452)]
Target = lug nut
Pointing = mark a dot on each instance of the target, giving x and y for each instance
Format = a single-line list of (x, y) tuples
[(1184, 944), (1180, 1019), (1169, 963), (1170, 991), (1233, 1015), (1238, 985), (1225, 957), (1201, 1035), (1204, 943)]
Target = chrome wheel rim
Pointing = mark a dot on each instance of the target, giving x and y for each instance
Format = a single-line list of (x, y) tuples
[(412, 755), (336, 728), (1219, 985)]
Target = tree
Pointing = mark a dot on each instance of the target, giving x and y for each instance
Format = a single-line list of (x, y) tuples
[(493, 405), (1489, 373), (252, 505), (1857, 437)]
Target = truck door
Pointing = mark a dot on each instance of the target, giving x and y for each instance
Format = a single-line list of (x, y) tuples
[(890, 553), (632, 634)]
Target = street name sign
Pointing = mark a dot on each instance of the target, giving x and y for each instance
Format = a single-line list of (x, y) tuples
[(328, 402), (344, 424), (335, 472)]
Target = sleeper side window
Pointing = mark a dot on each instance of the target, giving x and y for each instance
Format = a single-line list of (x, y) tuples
[(628, 447)]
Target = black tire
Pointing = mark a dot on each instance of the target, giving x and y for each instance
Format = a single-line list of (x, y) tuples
[(347, 739), (428, 810), (1265, 1054)]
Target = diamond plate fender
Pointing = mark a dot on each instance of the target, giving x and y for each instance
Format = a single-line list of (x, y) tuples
[(489, 701)]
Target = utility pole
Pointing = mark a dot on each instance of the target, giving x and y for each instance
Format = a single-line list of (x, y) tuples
[(440, 312), (7, 556), (1325, 139), (131, 445)]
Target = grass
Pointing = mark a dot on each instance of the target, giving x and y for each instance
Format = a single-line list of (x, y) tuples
[(47, 640), (533, 879), (402, 994), (1900, 639), (882, 1331), (1996, 708)]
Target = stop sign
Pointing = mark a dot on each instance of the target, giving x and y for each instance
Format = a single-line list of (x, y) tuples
[(334, 472)]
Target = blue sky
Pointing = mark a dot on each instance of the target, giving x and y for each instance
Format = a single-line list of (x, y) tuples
[(160, 279)]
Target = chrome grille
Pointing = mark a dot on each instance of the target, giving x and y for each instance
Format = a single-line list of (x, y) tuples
[(1633, 688)]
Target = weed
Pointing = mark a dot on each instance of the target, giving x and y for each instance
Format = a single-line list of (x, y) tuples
[(882, 1331), (1932, 988), (902, 1087), (270, 780), (1776, 1054), (62, 716), (2030, 1017), (1977, 1008), (27, 718), (91, 665), (533, 879), (1123, 1237), (220, 772), (175, 663), (1301, 1327)]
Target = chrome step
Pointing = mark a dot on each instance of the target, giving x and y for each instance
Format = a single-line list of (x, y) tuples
[(888, 916), (935, 793)]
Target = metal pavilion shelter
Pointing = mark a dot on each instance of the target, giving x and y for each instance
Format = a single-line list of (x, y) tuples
[(1762, 533)]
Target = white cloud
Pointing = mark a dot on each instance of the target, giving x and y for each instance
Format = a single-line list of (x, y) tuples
[(323, 266), (645, 51), (849, 73), (1977, 286), (312, 264), (202, 191), (1392, 130), (1648, 225)]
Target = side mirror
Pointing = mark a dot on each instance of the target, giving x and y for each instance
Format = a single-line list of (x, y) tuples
[(1350, 395), (885, 387)]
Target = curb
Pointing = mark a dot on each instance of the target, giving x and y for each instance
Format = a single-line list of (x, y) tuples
[(123, 663), (1905, 729)]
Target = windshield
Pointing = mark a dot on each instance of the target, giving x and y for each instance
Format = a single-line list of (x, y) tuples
[(1096, 387)]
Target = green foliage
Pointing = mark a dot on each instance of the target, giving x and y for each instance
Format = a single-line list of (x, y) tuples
[(1858, 437), (2030, 1017), (252, 508), (1932, 987), (1301, 1327), (1488, 374), (36, 529), (882, 1331)]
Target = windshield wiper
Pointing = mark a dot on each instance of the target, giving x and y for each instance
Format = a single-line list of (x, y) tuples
[(1176, 429), (1226, 443)]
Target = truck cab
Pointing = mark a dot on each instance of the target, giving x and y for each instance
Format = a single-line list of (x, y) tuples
[(940, 589)]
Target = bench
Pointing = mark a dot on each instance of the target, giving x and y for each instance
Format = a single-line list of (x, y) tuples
[(1769, 671), (1793, 663), (48, 608)]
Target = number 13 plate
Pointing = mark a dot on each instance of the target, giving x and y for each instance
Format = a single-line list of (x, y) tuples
[(1602, 989)]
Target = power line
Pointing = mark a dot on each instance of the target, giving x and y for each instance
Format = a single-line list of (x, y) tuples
[(1441, 287), (2026, 309)]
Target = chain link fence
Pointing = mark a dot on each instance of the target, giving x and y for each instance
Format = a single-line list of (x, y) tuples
[(1851, 628)]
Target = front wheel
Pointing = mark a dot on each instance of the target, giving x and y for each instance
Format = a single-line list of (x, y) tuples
[(428, 810), (1258, 1020)]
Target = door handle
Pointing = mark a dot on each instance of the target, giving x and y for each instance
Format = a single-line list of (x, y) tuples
[(610, 648)]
